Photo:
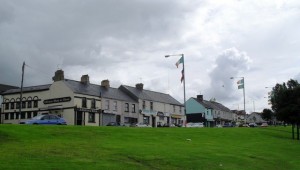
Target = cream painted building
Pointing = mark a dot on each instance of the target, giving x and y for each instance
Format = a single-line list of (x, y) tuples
[(83, 103)]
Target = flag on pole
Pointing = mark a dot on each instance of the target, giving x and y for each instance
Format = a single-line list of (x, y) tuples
[(240, 84), (182, 76), (179, 62), (240, 81)]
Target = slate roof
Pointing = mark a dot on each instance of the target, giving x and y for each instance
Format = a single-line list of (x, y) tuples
[(97, 90), (213, 105), (28, 89), (149, 95), (4, 87)]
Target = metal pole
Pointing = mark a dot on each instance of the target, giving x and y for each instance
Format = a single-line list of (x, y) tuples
[(244, 99), (21, 93), (184, 87)]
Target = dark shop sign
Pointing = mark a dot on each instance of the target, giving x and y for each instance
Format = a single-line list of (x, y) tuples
[(57, 100)]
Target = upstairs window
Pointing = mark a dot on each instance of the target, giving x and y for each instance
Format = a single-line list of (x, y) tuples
[(83, 102), (29, 104), (93, 104), (106, 104), (174, 108), (133, 108), (6, 106), (144, 104), (151, 105), (115, 107), (126, 107)]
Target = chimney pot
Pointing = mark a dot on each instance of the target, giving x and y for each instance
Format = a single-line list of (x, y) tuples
[(58, 76), (139, 86), (200, 97)]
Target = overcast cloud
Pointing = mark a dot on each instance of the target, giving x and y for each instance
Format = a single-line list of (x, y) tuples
[(125, 41)]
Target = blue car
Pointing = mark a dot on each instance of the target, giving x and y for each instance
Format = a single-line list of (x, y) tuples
[(45, 120)]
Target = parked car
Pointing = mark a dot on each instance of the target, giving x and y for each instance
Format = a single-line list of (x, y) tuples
[(142, 125), (252, 125), (228, 125), (264, 125), (195, 125), (45, 120), (113, 124)]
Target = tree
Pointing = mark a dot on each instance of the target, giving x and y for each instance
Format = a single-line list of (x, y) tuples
[(267, 114), (286, 103)]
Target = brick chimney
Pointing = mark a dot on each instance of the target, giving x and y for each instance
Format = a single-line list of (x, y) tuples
[(105, 83), (58, 76), (200, 97), (85, 79), (139, 86)]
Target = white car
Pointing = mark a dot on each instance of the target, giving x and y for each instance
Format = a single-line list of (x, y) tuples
[(142, 125), (195, 125)]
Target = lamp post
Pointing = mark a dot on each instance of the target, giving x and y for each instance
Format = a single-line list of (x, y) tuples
[(243, 80), (182, 55)]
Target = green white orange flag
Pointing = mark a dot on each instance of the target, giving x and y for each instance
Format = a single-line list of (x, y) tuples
[(240, 84), (179, 62)]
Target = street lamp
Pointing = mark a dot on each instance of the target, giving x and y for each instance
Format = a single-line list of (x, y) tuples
[(243, 81), (183, 72)]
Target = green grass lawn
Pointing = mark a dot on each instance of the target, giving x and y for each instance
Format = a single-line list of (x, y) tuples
[(74, 147)]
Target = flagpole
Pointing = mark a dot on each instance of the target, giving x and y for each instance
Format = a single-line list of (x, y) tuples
[(20, 108), (243, 80), (182, 55)]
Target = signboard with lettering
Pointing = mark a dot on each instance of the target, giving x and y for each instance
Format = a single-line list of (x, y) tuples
[(88, 110), (57, 100)]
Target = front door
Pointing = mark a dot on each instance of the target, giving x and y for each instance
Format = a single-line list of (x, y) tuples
[(79, 118)]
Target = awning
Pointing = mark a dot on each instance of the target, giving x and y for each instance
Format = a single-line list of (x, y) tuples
[(176, 116)]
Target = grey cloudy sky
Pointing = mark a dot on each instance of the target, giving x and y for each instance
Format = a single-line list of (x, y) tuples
[(125, 41)]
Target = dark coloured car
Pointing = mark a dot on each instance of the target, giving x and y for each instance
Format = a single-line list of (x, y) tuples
[(45, 120), (228, 125)]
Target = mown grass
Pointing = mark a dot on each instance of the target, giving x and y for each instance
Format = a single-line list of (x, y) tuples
[(74, 147)]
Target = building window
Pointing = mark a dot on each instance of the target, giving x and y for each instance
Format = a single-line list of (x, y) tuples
[(17, 115), (126, 107), (18, 105), (23, 115), (180, 109), (93, 104), (23, 104), (133, 108), (161, 118), (174, 108), (29, 115), (35, 104), (151, 105), (144, 104), (6, 116), (115, 106), (91, 117), (11, 116), (6, 106), (29, 104), (12, 105), (83, 102), (34, 114), (106, 104)]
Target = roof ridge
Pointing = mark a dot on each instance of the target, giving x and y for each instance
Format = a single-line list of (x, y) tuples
[(147, 90)]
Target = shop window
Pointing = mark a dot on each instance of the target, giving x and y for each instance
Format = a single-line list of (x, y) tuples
[(11, 116), (93, 104), (133, 108), (83, 102), (28, 115), (23, 115), (91, 117), (6, 116), (126, 107), (34, 114), (17, 115)]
